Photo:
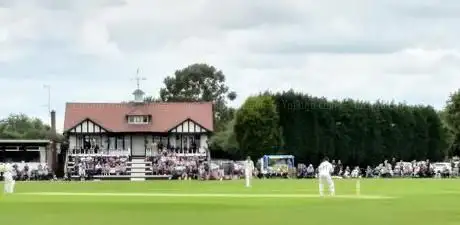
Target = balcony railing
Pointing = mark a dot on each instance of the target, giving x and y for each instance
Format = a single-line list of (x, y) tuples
[(181, 152), (99, 152), (127, 152)]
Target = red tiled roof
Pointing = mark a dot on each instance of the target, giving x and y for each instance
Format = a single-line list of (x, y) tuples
[(165, 116)]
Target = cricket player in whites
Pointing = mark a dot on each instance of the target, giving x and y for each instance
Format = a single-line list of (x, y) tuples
[(325, 170), (8, 179), (249, 168)]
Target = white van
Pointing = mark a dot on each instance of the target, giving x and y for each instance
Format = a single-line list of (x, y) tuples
[(441, 166)]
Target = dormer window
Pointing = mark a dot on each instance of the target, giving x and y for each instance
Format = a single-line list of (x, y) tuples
[(138, 119)]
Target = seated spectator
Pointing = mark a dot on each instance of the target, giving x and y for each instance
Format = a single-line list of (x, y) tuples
[(347, 172), (99, 165), (397, 170), (310, 171), (455, 171), (98, 168), (355, 172), (369, 172)]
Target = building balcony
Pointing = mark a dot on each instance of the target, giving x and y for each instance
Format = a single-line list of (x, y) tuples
[(181, 152), (127, 152), (99, 152)]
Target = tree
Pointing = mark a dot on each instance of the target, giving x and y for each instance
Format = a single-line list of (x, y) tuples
[(196, 82), (231, 95), (448, 134), (225, 140), (149, 99), (201, 82), (357, 132), (452, 112), (20, 126), (451, 121), (257, 128)]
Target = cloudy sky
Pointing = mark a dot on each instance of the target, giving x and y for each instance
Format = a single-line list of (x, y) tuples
[(88, 50)]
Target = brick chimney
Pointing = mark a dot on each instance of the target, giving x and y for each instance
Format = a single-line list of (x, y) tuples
[(53, 122), (52, 159)]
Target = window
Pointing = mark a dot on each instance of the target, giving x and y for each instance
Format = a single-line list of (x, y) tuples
[(112, 141), (138, 119), (127, 142), (120, 143), (80, 141)]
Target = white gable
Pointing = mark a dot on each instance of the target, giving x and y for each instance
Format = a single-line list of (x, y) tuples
[(189, 127), (87, 126)]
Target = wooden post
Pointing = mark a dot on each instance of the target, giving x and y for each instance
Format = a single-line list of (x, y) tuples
[(2, 154), (181, 143)]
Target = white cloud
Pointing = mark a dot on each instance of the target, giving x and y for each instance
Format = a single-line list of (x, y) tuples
[(94, 39), (88, 50)]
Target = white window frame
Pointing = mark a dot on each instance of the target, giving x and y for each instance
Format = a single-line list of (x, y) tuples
[(138, 119)]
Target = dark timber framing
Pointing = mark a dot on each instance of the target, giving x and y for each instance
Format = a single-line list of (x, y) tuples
[(189, 126), (87, 126), (183, 136)]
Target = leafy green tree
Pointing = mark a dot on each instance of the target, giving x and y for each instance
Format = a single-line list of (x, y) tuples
[(448, 135), (231, 95), (452, 112), (197, 82), (149, 99), (257, 129), (201, 82), (225, 140), (20, 126), (451, 122)]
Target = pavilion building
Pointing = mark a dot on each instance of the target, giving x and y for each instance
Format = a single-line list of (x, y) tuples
[(138, 128)]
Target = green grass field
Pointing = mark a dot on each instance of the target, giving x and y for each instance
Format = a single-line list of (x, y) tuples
[(229, 202)]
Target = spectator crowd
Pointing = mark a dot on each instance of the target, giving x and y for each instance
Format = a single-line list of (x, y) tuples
[(393, 168), (163, 163), (31, 171), (89, 166), (179, 166)]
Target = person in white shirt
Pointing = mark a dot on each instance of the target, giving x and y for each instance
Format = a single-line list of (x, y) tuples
[(82, 171), (9, 182), (325, 170), (249, 168), (355, 172)]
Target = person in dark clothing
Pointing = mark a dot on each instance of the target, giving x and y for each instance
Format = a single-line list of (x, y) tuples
[(393, 163)]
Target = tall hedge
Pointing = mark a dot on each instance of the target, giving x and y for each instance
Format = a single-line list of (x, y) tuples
[(356, 132)]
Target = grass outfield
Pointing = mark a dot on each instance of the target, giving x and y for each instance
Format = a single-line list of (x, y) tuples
[(229, 202)]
